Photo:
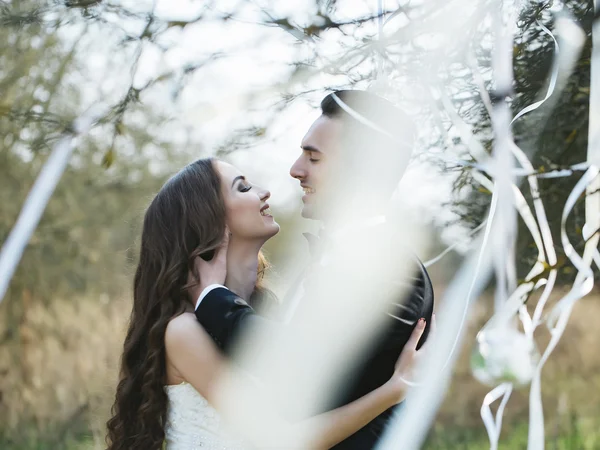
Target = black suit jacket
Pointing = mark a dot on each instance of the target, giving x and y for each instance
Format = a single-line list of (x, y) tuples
[(224, 316)]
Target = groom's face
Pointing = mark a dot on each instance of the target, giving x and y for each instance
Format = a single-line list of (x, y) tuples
[(313, 169)]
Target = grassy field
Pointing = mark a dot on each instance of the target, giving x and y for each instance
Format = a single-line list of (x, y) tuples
[(574, 438), (57, 381)]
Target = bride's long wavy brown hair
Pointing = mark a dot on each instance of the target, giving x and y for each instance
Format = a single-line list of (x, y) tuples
[(184, 220)]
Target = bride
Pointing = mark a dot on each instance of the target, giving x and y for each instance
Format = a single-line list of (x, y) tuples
[(170, 365)]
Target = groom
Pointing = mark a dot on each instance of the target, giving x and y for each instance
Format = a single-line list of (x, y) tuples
[(359, 137)]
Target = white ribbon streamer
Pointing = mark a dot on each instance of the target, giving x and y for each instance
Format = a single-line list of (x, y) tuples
[(38, 198), (493, 426), (432, 261), (408, 431), (584, 282), (553, 78)]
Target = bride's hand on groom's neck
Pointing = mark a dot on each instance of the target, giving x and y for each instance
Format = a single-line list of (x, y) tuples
[(213, 271)]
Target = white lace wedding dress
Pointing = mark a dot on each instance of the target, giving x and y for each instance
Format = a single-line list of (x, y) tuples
[(193, 424)]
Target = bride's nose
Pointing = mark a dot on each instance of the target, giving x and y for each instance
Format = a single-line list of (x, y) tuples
[(264, 195)]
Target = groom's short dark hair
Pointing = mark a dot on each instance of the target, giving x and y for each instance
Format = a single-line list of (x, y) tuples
[(390, 119), (375, 127)]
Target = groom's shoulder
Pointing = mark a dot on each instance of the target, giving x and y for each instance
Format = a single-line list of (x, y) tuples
[(390, 234), (394, 239)]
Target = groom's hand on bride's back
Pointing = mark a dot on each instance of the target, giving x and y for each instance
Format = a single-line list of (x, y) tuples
[(208, 271)]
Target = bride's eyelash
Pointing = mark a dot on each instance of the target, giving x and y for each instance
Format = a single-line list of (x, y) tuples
[(245, 188)]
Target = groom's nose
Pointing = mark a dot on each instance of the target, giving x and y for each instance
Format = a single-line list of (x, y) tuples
[(298, 170)]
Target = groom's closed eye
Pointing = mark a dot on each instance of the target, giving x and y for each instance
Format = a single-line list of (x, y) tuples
[(314, 155)]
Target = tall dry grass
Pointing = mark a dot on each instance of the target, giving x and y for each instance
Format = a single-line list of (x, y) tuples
[(67, 369), (62, 382)]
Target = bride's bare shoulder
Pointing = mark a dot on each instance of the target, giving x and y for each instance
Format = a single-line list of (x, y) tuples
[(191, 355), (184, 326)]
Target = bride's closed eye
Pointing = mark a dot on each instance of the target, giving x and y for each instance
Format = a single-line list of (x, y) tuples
[(244, 187), (242, 184)]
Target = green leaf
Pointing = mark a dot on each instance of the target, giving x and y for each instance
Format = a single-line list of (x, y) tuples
[(177, 23), (108, 158), (571, 137), (120, 128)]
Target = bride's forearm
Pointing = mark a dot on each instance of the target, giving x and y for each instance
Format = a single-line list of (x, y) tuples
[(332, 427)]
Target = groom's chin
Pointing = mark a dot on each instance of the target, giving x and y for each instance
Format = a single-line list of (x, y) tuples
[(312, 211), (307, 211)]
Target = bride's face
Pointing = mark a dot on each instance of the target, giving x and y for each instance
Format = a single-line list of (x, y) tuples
[(248, 214)]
